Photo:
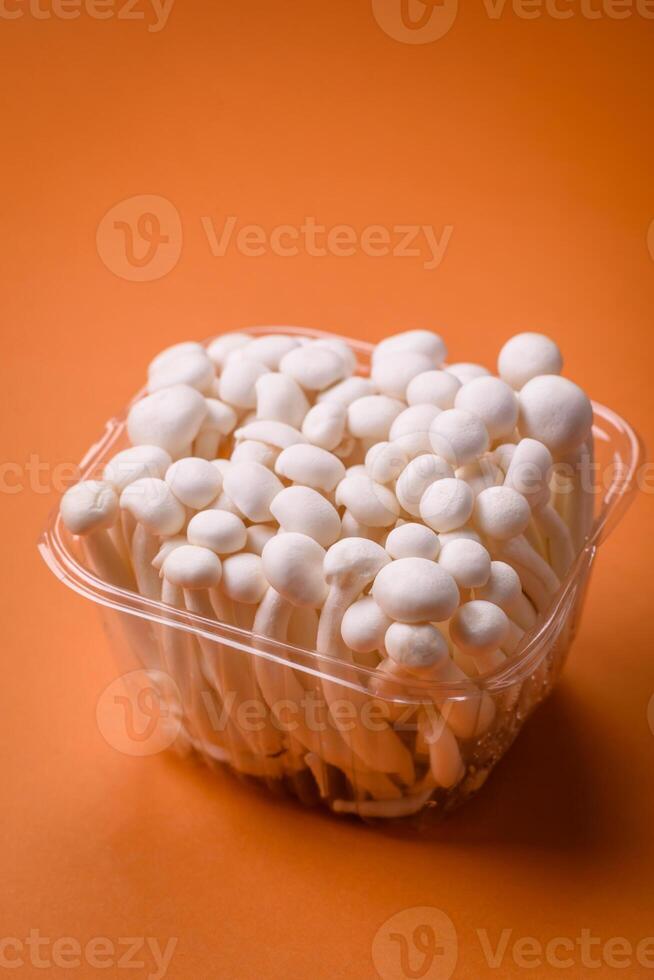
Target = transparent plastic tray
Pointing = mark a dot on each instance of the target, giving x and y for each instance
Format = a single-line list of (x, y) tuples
[(192, 662)]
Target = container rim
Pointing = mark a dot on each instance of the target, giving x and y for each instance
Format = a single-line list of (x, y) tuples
[(64, 564)]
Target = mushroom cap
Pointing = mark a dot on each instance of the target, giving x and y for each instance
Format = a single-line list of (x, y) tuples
[(311, 466), (479, 628), (269, 349), (410, 429), (133, 463), (413, 541), (314, 368), (447, 504), (465, 371), (252, 487), (167, 545), (527, 355), (243, 578), (220, 348), (370, 503), (458, 436), (503, 587), (280, 399), (347, 391), (468, 562), (364, 626), (437, 388), (418, 647), (251, 451), (415, 590), (219, 418), (191, 367), (417, 341), (501, 513), (529, 470), (237, 383), (391, 373), (89, 506), (217, 530), (556, 412), (385, 461), (354, 561), (324, 424), (190, 567), (417, 477), (170, 418), (152, 503), (307, 511), (292, 564), (493, 401), (277, 434), (195, 482), (258, 536), (371, 416), (170, 354), (344, 351)]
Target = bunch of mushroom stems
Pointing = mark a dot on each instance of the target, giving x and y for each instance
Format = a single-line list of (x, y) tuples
[(410, 526)]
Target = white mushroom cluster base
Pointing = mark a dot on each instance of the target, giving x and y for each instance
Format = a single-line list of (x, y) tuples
[(383, 539)]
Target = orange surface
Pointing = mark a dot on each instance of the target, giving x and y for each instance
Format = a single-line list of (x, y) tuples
[(531, 138)]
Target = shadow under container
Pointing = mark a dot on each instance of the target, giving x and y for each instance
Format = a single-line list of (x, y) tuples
[(313, 726)]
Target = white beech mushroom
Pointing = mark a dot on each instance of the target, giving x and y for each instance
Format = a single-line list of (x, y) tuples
[(385, 461), (417, 477), (311, 466), (217, 530), (195, 482), (556, 412), (136, 462), (413, 541), (437, 388), (196, 572), (504, 588), (468, 562), (363, 628), (307, 511), (220, 420), (458, 436), (314, 368), (424, 342), (447, 505), (220, 348), (245, 584), (415, 590), (527, 355), (493, 401), (392, 373), (324, 425), (237, 383), (258, 536), (370, 418), (349, 567), (479, 629), (344, 351), (347, 391), (191, 367), (268, 349), (251, 451), (157, 513), (252, 487), (410, 430), (277, 434), (370, 503), (169, 354), (89, 509), (465, 371), (280, 399), (170, 418)]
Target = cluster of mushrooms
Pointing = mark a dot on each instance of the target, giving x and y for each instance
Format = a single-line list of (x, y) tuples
[(410, 525)]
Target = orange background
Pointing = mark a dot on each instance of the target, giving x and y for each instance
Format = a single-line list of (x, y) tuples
[(532, 138)]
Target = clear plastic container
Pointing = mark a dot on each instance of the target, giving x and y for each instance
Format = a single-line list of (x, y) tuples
[(313, 726)]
